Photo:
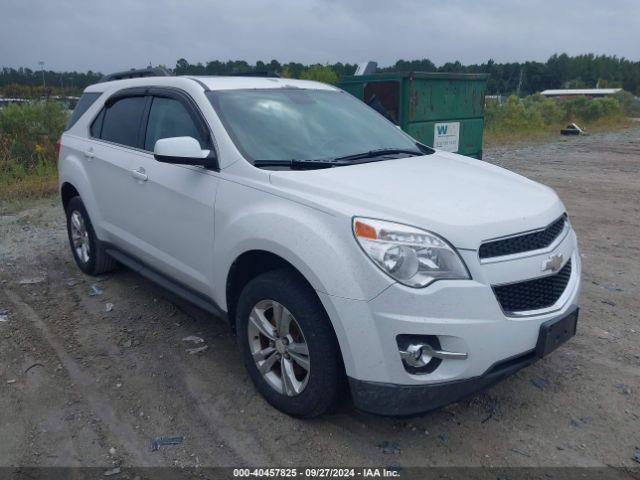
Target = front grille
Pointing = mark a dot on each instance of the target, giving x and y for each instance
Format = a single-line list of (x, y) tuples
[(533, 294), (523, 243)]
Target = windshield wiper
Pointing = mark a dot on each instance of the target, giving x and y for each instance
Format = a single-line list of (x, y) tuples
[(295, 164), (379, 153)]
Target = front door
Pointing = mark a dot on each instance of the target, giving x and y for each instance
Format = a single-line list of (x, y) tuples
[(172, 209)]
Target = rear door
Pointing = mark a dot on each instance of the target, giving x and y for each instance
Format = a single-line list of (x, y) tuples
[(172, 206), (117, 136)]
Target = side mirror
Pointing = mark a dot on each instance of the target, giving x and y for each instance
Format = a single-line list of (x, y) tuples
[(183, 151)]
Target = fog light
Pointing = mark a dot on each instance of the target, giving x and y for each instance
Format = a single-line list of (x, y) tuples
[(415, 355), (423, 354), (414, 352)]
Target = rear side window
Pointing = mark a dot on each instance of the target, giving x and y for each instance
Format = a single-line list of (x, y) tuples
[(96, 126), (121, 122), (86, 100), (169, 118)]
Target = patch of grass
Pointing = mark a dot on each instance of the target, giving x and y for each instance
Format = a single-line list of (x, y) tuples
[(551, 132), (538, 118), (28, 156), (20, 180), (29, 187)]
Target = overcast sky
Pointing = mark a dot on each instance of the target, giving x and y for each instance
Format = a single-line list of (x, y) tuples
[(111, 35)]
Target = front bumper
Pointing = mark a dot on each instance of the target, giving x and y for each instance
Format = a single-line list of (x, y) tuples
[(464, 315), (399, 400), (390, 399)]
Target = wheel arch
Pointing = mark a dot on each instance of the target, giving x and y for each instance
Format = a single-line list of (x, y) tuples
[(74, 181), (67, 192), (248, 266), (252, 263)]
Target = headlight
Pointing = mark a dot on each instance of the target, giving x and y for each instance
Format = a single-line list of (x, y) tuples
[(410, 255)]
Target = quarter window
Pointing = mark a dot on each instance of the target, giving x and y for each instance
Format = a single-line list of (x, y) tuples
[(121, 122), (169, 118), (96, 126), (86, 100)]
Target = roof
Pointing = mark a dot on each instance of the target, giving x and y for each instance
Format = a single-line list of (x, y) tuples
[(212, 83), (229, 83), (581, 91)]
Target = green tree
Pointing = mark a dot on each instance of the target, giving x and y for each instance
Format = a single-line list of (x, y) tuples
[(320, 73)]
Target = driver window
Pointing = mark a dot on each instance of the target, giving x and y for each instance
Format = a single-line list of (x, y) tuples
[(169, 118)]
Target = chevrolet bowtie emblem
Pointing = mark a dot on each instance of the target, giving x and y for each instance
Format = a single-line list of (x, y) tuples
[(553, 263)]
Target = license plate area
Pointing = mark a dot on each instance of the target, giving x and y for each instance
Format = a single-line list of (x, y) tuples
[(556, 331)]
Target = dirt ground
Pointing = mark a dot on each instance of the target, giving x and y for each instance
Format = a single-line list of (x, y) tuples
[(84, 386)]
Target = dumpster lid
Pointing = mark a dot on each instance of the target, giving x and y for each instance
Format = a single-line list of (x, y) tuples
[(421, 75)]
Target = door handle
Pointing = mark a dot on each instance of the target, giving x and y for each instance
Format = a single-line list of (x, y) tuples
[(139, 174), (88, 154)]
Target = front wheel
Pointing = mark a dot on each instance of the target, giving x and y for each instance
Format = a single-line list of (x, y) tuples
[(288, 344)]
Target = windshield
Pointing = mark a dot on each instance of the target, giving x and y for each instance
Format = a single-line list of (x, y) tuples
[(298, 124)]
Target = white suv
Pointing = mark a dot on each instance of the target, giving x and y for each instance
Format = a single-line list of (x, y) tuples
[(342, 252)]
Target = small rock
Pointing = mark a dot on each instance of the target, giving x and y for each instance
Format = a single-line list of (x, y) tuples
[(95, 290), (13, 380), (113, 471), (108, 307), (521, 452), (193, 351), (4, 315), (193, 339), (612, 287), (540, 382), (608, 302), (112, 451), (623, 389), (636, 456), (31, 280), (73, 282), (118, 385), (389, 447), (444, 436)]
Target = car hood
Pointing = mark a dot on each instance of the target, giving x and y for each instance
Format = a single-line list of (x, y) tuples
[(462, 199)]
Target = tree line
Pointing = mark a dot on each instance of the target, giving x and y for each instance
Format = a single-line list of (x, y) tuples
[(520, 78)]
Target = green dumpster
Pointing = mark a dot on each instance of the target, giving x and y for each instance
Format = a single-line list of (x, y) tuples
[(442, 110)]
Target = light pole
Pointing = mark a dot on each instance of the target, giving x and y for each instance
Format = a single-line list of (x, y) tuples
[(44, 85)]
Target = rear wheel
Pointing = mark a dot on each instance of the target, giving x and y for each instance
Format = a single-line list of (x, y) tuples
[(288, 344), (87, 250)]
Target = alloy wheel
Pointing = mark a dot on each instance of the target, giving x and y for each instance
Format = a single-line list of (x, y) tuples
[(278, 348), (80, 237)]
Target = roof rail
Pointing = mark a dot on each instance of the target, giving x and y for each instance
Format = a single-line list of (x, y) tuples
[(257, 73), (137, 73)]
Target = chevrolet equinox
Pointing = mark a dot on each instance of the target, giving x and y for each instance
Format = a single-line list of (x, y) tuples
[(344, 253)]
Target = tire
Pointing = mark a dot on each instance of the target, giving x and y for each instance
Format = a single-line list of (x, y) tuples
[(306, 394), (93, 260)]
